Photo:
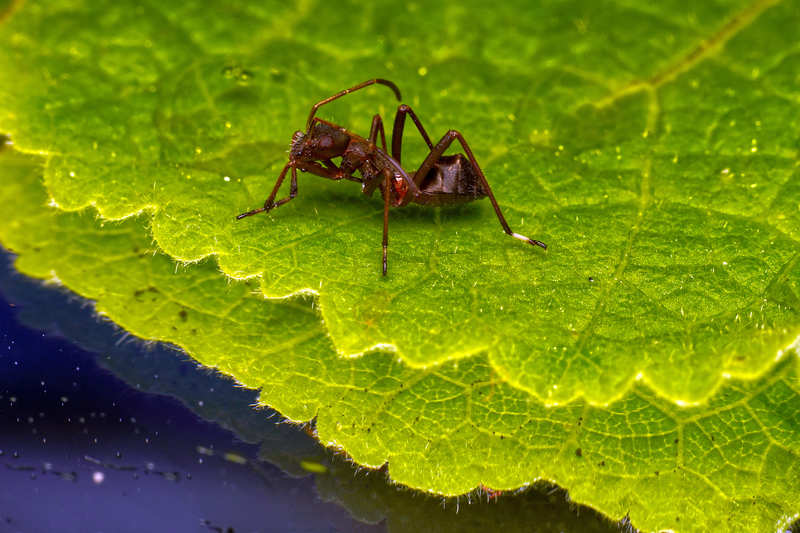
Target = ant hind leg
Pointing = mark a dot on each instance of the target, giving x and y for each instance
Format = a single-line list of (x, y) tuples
[(437, 153)]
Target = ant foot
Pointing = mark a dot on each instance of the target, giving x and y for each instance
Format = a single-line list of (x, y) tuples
[(267, 207), (533, 242), (249, 213)]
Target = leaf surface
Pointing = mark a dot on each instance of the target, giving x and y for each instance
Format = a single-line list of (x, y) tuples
[(445, 429), (653, 148)]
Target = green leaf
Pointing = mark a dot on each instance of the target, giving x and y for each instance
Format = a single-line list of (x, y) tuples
[(445, 429), (653, 149)]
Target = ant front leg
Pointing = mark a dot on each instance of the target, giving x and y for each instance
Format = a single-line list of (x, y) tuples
[(397, 130), (437, 153), (292, 190), (270, 202)]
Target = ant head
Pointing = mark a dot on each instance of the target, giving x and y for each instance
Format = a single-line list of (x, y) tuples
[(324, 141)]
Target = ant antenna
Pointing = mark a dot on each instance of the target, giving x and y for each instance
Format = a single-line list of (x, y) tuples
[(367, 83)]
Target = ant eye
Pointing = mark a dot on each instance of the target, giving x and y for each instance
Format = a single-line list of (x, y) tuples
[(326, 141)]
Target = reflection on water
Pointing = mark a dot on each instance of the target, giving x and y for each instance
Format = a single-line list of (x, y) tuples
[(76, 437)]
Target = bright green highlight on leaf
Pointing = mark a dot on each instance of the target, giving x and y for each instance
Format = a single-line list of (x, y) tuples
[(653, 149), (447, 428)]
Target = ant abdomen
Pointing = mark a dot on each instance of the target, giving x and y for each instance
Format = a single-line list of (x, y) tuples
[(451, 180)]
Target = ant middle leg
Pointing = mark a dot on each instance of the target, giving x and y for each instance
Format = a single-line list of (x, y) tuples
[(397, 130), (377, 127), (436, 154), (387, 193)]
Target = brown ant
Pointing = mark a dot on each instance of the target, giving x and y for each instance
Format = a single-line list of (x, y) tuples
[(440, 180)]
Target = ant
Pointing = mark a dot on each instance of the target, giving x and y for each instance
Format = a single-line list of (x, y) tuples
[(440, 180)]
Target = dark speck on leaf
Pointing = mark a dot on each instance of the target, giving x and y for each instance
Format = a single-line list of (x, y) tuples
[(579, 452), (591, 279), (183, 314), (277, 76), (139, 292)]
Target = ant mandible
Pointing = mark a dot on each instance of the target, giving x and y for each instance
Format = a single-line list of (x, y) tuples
[(440, 180)]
